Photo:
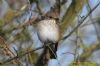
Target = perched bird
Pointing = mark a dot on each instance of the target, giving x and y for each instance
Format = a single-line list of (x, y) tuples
[(49, 34), (48, 31)]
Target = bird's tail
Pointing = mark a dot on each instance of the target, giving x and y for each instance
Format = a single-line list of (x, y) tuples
[(42, 60), (52, 50), (48, 53)]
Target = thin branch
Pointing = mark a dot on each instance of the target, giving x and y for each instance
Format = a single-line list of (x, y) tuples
[(64, 1), (81, 22), (89, 23), (92, 21), (19, 56), (88, 52), (39, 7), (70, 14), (69, 53), (77, 47)]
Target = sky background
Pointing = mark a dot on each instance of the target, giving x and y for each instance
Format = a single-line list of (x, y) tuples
[(66, 46)]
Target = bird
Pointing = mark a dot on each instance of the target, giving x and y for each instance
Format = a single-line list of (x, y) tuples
[(49, 34)]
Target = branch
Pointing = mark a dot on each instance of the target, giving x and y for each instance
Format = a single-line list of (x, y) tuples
[(88, 52), (70, 14), (19, 56), (39, 7), (81, 22)]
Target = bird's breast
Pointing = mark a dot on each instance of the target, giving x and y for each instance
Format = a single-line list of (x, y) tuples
[(48, 30)]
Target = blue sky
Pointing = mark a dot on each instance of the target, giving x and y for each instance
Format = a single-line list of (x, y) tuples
[(89, 39)]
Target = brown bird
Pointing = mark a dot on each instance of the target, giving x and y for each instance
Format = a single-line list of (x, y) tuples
[(49, 34)]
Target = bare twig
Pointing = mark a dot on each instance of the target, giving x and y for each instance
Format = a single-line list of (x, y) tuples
[(64, 1), (92, 21), (5, 48), (88, 52), (39, 8), (81, 22), (19, 56)]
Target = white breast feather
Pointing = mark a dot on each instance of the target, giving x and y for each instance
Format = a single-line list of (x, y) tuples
[(48, 30)]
